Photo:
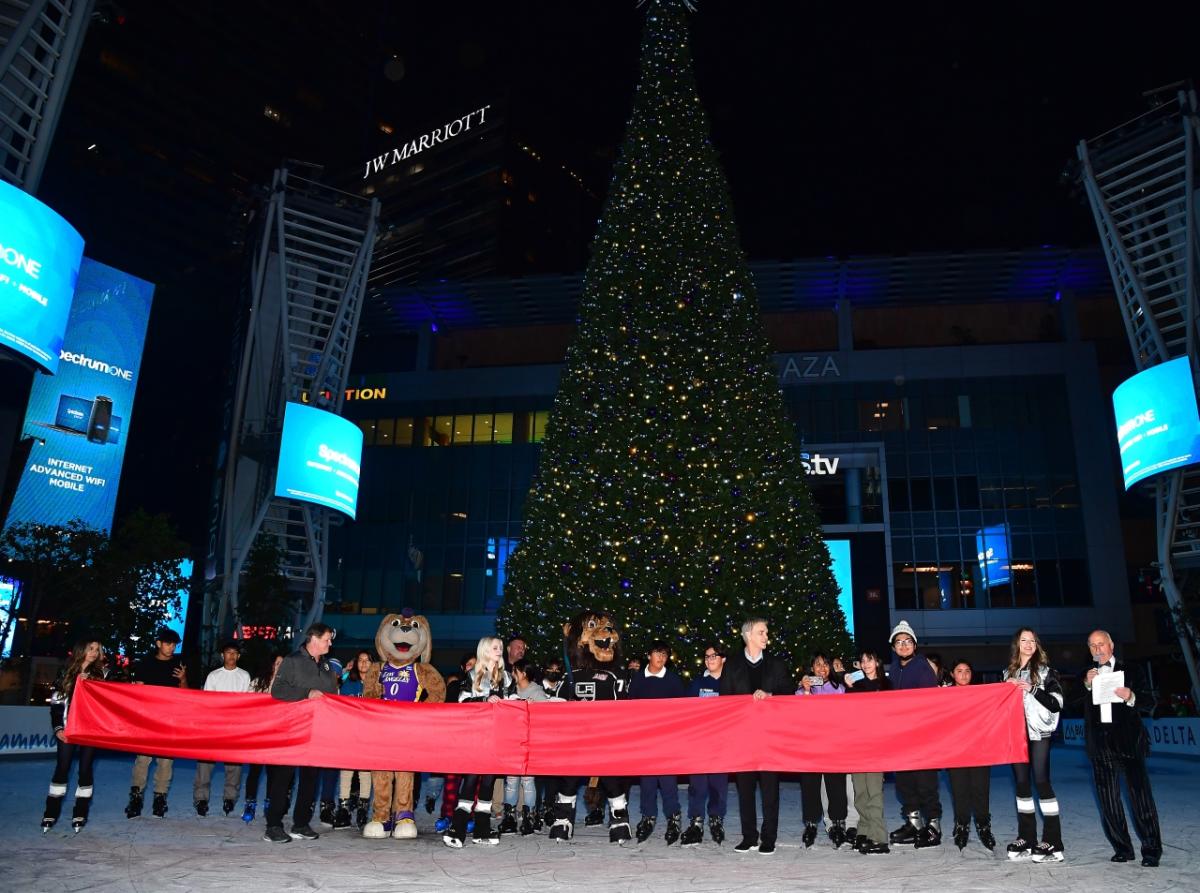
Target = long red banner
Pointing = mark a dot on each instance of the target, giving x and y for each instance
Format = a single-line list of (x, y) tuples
[(923, 729)]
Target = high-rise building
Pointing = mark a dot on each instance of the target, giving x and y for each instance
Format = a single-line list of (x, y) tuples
[(464, 196)]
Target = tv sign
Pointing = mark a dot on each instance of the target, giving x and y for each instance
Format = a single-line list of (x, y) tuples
[(80, 416), (40, 255), (319, 458), (1158, 428)]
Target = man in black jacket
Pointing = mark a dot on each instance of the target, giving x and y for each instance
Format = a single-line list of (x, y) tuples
[(305, 673), (1120, 747), (754, 672)]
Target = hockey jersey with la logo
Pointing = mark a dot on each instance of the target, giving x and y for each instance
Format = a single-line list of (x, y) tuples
[(593, 685)]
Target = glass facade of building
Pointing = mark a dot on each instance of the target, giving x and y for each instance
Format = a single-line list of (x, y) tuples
[(973, 466)]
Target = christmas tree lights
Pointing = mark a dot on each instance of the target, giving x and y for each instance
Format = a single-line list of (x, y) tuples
[(670, 490)]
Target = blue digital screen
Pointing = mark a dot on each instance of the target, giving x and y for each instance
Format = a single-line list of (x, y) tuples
[(319, 458), (7, 596), (178, 619), (839, 554), (75, 416), (991, 546), (40, 255), (1157, 424)]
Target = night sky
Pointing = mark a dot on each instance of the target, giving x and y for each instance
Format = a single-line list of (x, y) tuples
[(845, 129)]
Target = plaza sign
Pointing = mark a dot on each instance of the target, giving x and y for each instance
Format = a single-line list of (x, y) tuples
[(413, 147), (795, 368)]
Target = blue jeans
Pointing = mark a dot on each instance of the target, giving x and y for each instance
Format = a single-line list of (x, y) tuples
[(528, 791), (651, 786), (708, 794), (432, 785)]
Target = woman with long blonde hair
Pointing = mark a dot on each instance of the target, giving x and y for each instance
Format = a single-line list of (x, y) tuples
[(488, 682)]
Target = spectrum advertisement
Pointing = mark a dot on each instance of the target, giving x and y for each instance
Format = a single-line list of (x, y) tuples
[(319, 458), (40, 255), (991, 546), (80, 417), (1157, 425)]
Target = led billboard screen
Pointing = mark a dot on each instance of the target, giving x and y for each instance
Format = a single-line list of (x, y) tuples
[(991, 544), (1157, 425), (839, 554), (40, 255), (319, 458), (178, 619), (80, 417)]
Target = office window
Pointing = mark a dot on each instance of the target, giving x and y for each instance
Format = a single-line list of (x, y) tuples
[(385, 432), (368, 430), (880, 415), (463, 425), (503, 428), (404, 432), (540, 420), (442, 432), (484, 428)]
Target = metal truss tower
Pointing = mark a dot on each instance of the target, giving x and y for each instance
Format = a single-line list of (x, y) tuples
[(39, 44), (1141, 184), (308, 278)]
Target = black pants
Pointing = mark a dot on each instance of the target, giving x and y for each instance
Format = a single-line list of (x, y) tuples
[(253, 774), (1107, 771), (567, 786), (62, 771), (1037, 768), (971, 787), (768, 784), (467, 796), (918, 793), (62, 768), (279, 779), (810, 796)]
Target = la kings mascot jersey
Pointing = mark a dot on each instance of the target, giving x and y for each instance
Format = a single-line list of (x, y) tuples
[(594, 685), (592, 646)]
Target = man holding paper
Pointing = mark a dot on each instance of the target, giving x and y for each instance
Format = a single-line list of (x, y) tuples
[(1117, 744)]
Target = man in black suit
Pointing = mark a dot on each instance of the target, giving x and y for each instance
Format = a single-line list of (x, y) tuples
[(1120, 747), (754, 672)]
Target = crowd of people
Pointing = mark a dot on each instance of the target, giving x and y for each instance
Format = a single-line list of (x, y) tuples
[(851, 805)]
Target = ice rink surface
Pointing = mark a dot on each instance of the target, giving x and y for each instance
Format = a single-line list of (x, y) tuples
[(217, 853)]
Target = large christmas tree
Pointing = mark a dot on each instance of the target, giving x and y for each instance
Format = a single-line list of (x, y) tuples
[(670, 490)]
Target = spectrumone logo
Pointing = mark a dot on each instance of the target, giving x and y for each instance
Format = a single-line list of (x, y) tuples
[(82, 359)]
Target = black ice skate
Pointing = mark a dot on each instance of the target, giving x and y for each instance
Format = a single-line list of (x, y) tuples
[(837, 833), (672, 832), (645, 828), (931, 835), (79, 815), (508, 824), (716, 829), (906, 834), (693, 834), (962, 834), (134, 808)]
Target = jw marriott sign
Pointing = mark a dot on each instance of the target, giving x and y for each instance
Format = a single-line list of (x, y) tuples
[(447, 131)]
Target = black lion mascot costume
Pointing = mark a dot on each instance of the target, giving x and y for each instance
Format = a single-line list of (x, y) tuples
[(592, 644)]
